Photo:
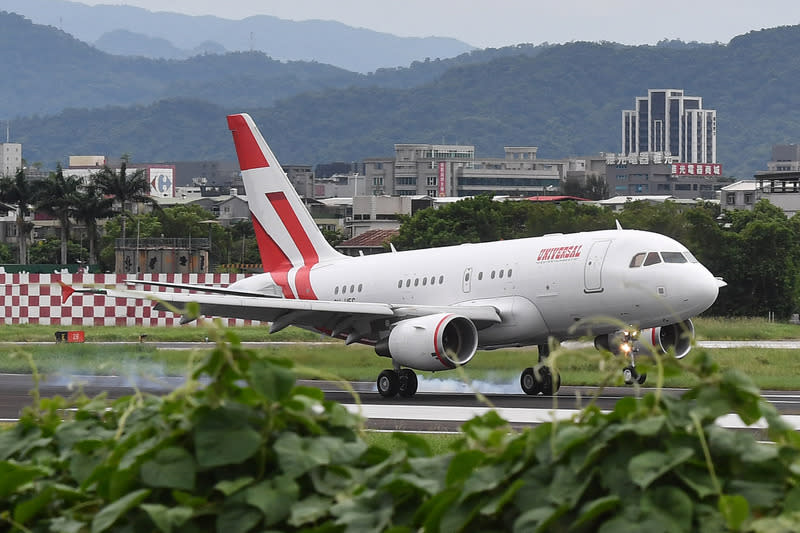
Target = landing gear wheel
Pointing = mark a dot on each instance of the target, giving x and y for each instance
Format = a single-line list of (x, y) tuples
[(630, 375), (388, 383), (407, 386), (530, 385)]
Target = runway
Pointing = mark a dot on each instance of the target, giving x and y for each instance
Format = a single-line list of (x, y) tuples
[(429, 410)]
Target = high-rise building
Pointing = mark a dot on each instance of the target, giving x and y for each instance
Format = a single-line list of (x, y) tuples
[(668, 122), (10, 158)]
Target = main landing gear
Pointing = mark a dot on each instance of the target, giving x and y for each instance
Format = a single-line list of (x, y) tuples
[(393, 382), (540, 380)]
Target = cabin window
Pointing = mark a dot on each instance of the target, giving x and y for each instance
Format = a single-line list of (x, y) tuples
[(652, 259), (501, 274), (408, 283), (492, 274), (433, 280), (441, 280), (360, 287), (637, 260), (400, 284), (416, 282), (509, 272), (352, 289), (336, 290), (424, 281), (480, 276), (673, 257)]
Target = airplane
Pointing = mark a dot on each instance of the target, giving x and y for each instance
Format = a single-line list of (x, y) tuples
[(433, 309)]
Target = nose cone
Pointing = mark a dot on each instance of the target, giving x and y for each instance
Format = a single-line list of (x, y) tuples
[(701, 290)]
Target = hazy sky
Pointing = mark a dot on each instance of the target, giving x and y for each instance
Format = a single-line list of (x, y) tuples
[(495, 23)]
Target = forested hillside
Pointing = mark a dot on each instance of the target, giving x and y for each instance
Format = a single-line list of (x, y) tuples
[(565, 99)]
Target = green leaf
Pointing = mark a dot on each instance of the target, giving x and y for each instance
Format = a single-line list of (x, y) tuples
[(309, 510), (109, 514), (165, 518), (297, 455), (172, 468), (735, 509), (697, 479), (594, 509), (228, 487), (274, 498), (649, 466), (62, 524), (27, 509), (669, 505), (14, 475), (223, 436), (237, 519), (462, 464), (272, 381)]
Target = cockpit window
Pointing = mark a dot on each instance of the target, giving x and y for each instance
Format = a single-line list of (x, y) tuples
[(690, 257), (652, 259), (637, 260), (673, 257)]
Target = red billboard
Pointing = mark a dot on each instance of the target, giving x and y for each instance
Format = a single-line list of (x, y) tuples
[(442, 180)]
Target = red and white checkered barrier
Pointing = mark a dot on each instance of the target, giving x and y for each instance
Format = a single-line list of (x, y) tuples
[(36, 299)]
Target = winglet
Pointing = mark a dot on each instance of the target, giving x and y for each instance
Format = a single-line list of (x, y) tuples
[(66, 292)]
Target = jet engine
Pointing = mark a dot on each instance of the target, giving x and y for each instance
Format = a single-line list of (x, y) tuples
[(677, 337), (434, 342), (659, 340)]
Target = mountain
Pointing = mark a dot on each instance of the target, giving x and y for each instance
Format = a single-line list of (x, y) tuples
[(128, 43), (565, 99), (49, 70), (355, 49)]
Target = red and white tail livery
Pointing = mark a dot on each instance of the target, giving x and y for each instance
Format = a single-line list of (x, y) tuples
[(433, 309), (288, 239)]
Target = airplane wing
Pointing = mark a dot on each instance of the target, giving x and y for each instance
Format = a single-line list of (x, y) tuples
[(203, 288), (282, 312)]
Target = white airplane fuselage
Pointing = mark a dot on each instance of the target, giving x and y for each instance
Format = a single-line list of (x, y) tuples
[(560, 285)]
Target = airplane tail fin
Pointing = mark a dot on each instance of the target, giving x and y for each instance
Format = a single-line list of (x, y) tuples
[(289, 241)]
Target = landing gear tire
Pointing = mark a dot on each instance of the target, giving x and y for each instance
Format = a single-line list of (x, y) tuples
[(407, 386), (530, 385), (629, 374), (543, 383), (388, 383)]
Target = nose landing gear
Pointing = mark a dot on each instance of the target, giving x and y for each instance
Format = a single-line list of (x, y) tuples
[(627, 348)]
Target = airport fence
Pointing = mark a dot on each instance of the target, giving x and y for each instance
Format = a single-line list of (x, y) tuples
[(30, 298)]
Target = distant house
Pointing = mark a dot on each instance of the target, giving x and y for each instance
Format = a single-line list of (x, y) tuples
[(368, 243)]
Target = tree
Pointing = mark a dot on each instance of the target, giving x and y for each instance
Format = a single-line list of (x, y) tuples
[(91, 207), (20, 193), (58, 197), (126, 188)]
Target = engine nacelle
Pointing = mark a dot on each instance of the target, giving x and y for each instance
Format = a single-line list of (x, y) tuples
[(658, 340), (434, 342)]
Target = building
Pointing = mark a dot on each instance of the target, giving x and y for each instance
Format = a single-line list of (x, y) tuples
[(739, 195), (648, 174), (785, 157), (453, 170), (10, 158), (671, 123), (368, 243), (382, 212)]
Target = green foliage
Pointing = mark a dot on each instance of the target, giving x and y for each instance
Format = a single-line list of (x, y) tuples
[(252, 451), (48, 252)]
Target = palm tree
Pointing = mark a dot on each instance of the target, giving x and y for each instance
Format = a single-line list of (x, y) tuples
[(58, 197), (20, 193), (91, 206), (125, 188)]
